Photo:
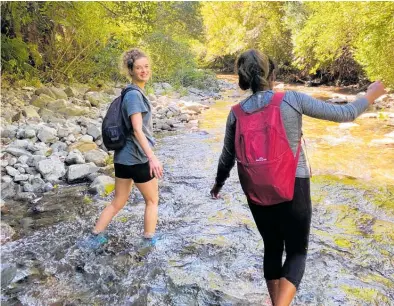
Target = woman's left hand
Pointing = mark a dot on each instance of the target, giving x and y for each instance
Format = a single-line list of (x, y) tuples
[(215, 191)]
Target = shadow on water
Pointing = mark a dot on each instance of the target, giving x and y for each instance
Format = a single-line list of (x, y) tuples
[(210, 252)]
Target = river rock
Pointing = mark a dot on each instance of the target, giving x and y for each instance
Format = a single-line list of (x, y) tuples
[(11, 171), (184, 118), (71, 138), (78, 172), (383, 141), (34, 160), (102, 185), (9, 131), (42, 101), (75, 157), (59, 146), (152, 97), (38, 146), (390, 135), (8, 271), (47, 134), (27, 187), (99, 157), (46, 114), (96, 98), (83, 146), (4, 163), (58, 93), (52, 169), (30, 112), (30, 133), (57, 105), (7, 232), (368, 115), (71, 92), (86, 138), (8, 190), (21, 177), (38, 185), (6, 179), (347, 125), (12, 161), (94, 131), (21, 143)]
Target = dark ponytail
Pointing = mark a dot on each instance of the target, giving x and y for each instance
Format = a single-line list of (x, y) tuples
[(253, 70)]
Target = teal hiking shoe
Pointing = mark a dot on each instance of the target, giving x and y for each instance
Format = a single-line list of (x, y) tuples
[(93, 241)]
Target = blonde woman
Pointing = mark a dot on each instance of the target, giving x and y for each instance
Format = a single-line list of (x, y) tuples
[(136, 162)]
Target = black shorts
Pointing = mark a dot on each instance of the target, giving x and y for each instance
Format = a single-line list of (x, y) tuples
[(139, 173)]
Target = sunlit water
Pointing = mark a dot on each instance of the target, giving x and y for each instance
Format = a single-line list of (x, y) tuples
[(210, 252)]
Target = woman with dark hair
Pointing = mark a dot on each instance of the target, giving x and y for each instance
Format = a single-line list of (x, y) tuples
[(282, 224), (136, 161)]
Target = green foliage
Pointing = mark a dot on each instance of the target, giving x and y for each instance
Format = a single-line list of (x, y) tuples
[(83, 41), (335, 36), (196, 78), (232, 27)]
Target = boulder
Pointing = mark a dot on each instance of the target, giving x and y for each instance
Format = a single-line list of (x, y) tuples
[(30, 133), (8, 190), (9, 131), (52, 169), (94, 131), (42, 101), (86, 138), (30, 112), (17, 151), (8, 271), (75, 157), (81, 171), (71, 92), (7, 232), (11, 171), (102, 185), (57, 105), (83, 146), (99, 157), (47, 134)]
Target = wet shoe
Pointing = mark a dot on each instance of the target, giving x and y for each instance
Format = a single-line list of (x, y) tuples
[(146, 245), (93, 241)]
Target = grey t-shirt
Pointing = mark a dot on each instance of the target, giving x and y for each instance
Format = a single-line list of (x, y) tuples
[(293, 106), (132, 153)]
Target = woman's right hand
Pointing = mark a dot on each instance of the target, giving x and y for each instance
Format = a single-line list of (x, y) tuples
[(155, 167), (374, 91)]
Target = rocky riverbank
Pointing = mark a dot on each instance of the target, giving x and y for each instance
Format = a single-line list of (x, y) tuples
[(52, 135)]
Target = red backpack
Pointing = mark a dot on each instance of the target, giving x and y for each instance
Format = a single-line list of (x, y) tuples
[(265, 161)]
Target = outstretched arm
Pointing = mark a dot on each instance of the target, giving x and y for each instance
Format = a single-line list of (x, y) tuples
[(338, 113)]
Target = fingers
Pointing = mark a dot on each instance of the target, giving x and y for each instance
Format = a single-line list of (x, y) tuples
[(150, 170)]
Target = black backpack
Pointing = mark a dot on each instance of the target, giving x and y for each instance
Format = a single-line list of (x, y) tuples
[(114, 129)]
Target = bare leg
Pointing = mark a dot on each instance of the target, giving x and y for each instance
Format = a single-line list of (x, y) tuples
[(150, 192), (273, 289), (122, 192), (286, 293)]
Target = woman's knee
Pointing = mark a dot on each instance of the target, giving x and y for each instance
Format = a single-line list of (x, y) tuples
[(152, 202)]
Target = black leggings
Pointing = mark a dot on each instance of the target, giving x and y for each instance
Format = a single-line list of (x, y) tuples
[(286, 225)]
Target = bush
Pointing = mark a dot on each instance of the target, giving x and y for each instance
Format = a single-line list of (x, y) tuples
[(198, 78)]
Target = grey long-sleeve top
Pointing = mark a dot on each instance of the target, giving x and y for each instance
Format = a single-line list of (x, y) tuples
[(293, 106)]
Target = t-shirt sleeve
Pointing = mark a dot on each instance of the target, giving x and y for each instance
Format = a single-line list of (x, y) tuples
[(133, 103)]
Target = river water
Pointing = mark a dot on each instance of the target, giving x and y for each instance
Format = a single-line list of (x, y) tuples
[(209, 251)]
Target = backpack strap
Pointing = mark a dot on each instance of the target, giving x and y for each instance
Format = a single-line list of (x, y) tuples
[(125, 91), (237, 110), (277, 98)]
